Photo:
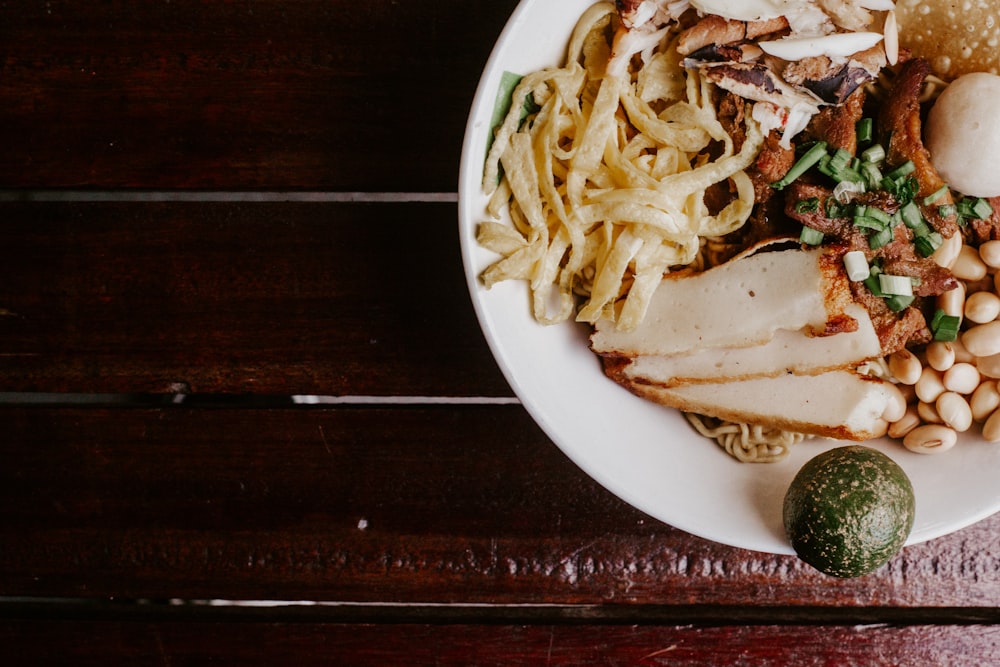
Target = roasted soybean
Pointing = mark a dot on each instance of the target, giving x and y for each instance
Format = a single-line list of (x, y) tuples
[(905, 366), (961, 378), (952, 385), (930, 439), (940, 355), (982, 307), (984, 400), (954, 411)]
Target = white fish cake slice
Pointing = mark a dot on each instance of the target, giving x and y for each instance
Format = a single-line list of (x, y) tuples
[(737, 304), (787, 352), (838, 404)]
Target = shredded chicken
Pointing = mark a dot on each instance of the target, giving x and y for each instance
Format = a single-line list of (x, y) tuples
[(716, 30), (789, 93)]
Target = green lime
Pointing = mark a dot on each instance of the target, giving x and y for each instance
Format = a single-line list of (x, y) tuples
[(849, 510)]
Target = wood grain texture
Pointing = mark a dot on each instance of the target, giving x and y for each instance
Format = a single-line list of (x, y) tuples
[(431, 531), (251, 644), (264, 298), (312, 94), (422, 505)]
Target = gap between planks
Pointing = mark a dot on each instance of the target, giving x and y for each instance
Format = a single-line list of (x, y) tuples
[(287, 611), (88, 196), (195, 400)]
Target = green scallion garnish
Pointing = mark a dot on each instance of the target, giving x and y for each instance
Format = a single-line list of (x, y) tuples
[(945, 327), (898, 302), (934, 196), (871, 173), (810, 205), (902, 170), (982, 208), (802, 165), (881, 238), (856, 265), (865, 130), (810, 236), (911, 215), (927, 244), (873, 154), (947, 210), (895, 285)]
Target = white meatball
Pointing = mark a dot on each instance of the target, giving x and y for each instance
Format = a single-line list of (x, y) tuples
[(963, 134)]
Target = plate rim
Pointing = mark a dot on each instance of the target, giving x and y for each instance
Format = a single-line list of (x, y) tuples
[(485, 92)]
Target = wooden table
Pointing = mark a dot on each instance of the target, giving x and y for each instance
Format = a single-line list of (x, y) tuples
[(210, 208)]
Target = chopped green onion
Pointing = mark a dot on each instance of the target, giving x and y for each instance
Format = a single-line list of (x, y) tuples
[(856, 265), (840, 159), (838, 167), (903, 189), (921, 230), (881, 238), (810, 205), (964, 209), (898, 302), (826, 167), (873, 154), (872, 175), (945, 327), (972, 208), (802, 165), (865, 130), (878, 214), (975, 208), (934, 196), (947, 210), (983, 209), (868, 222), (911, 215), (849, 174), (897, 285), (810, 236), (927, 244), (871, 282), (902, 170), (835, 209), (843, 190)]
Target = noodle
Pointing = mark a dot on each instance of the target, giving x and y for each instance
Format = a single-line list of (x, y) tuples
[(748, 443), (603, 176), (605, 180)]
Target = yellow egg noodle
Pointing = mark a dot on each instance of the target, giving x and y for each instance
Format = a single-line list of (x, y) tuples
[(598, 177), (605, 182), (747, 443), (605, 195), (599, 190)]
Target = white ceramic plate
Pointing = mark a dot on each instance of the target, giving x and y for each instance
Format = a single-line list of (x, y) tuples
[(646, 454)]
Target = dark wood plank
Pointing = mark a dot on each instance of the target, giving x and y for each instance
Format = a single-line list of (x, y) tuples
[(433, 504), (313, 94), (249, 644), (265, 298)]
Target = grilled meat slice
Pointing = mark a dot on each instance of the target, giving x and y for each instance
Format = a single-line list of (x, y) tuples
[(899, 126), (837, 125)]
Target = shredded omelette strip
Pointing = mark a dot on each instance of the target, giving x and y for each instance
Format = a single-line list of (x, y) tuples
[(604, 181)]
